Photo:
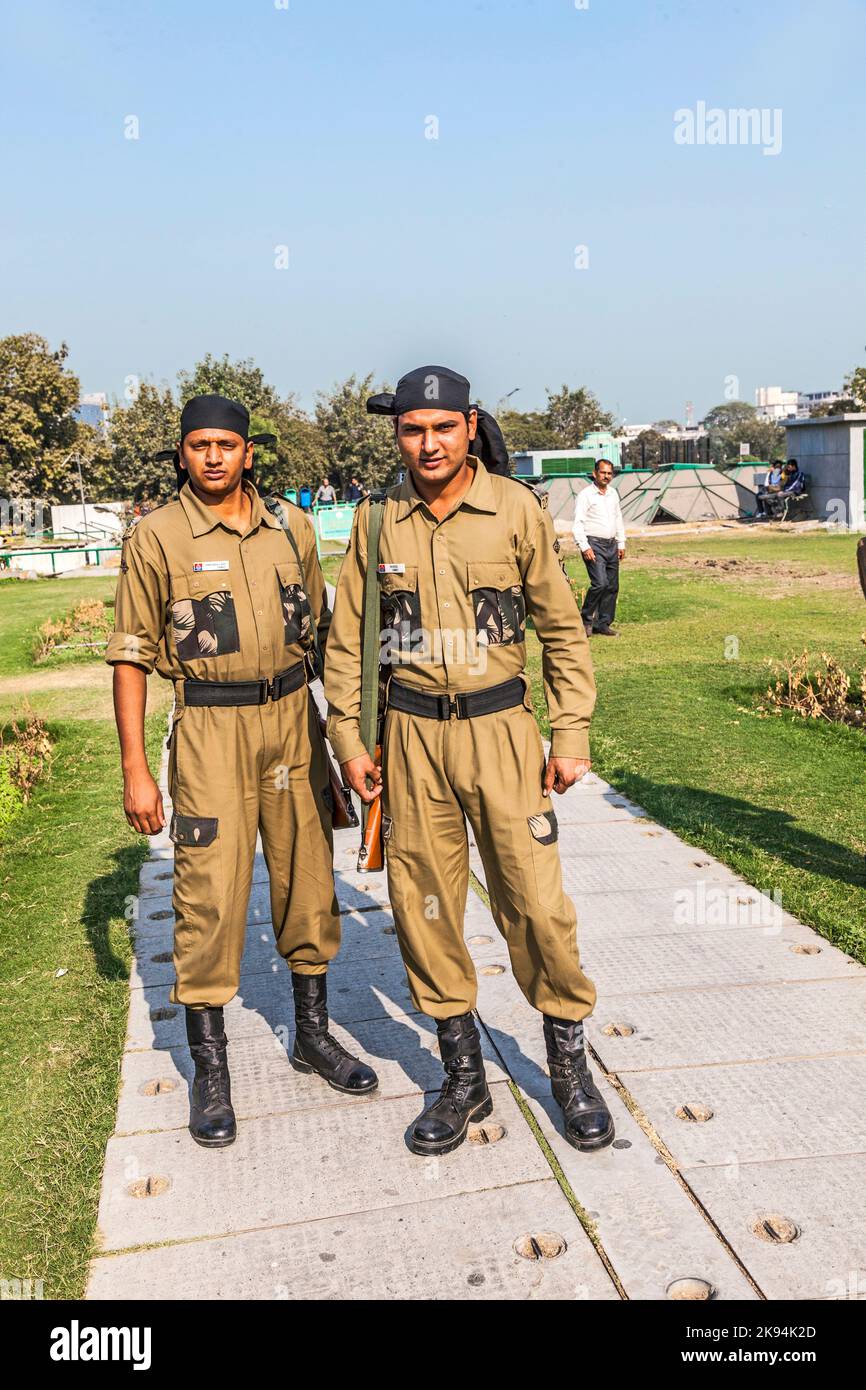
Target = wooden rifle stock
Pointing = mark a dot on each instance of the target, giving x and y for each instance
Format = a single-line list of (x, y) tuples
[(343, 813), (371, 855)]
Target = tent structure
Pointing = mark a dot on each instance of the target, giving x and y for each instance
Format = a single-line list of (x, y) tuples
[(562, 492), (685, 493), (751, 475)]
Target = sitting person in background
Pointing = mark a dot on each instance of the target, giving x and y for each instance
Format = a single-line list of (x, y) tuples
[(771, 485), (793, 482), (325, 494)]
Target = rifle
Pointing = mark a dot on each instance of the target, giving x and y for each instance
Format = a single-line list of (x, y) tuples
[(371, 856), (343, 813)]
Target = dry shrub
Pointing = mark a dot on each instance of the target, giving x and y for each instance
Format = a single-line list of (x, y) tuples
[(25, 751), (87, 626), (824, 692)]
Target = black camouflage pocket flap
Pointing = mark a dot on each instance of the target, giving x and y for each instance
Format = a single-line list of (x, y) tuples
[(193, 830), (492, 574)]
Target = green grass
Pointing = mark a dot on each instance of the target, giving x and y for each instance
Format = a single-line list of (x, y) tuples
[(778, 799), (68, 866), (24, 604)]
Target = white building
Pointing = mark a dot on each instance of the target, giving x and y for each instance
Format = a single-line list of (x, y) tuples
[(772, 403), (809, 401)]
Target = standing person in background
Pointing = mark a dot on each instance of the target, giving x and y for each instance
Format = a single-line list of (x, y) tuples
[(325, 494), (355, 492), (600, 535)]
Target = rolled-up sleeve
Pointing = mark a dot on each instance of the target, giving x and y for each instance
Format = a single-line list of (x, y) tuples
[(139, 607), (566, 664)]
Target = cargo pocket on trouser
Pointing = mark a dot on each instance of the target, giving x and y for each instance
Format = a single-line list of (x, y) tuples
[(544, 849), (202, 936)]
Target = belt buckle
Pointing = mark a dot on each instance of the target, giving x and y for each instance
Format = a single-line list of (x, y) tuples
[(445, 707), (458, 706), (266, 690)]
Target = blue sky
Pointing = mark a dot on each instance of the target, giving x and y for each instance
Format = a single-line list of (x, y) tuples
[(304, 126)]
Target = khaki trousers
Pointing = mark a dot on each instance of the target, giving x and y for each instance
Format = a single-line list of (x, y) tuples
[(233, 772), (489, 770)]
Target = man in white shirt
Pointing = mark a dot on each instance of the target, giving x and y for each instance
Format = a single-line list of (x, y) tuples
[(600, 534)]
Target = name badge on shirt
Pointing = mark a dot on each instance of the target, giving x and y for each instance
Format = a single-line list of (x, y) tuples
[(206, 566), (391, 569)]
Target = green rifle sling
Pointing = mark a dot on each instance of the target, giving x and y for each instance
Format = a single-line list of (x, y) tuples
[(370, 648)]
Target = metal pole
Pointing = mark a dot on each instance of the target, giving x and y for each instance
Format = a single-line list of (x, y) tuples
[(81, 489)]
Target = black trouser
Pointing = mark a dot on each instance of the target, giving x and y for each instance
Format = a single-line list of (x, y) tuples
[(599, 606)]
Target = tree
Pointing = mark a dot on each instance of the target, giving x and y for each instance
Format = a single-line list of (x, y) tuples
[(645, 451), (148, 424), (357, 444), (300, 453), (37, 428), (528, 429), (855, 385), (736, 422), (571, 414)]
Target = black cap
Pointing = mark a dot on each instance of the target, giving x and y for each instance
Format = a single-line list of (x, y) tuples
[(214, 413), (425, 388)]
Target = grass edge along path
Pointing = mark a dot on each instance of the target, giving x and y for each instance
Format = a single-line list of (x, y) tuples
[(68, 874)]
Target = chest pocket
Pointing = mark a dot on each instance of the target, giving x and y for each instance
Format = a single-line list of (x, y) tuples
[(297, 618), (203, 618), (401, 609), (496, 594)]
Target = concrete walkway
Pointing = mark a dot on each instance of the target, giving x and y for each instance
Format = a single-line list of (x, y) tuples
[(729, 1041)]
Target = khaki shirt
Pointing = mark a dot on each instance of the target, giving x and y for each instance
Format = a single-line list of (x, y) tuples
[(198, 600), (455, 595)]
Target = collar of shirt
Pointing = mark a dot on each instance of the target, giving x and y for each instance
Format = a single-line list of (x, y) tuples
[(203, 518), (478, 497)]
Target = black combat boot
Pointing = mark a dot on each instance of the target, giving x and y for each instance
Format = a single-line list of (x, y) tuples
[(211, 1118), (315, 1049), (588, 1122), (464, 1096)]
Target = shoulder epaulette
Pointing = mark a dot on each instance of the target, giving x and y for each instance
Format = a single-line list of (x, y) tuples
[(538, 492)]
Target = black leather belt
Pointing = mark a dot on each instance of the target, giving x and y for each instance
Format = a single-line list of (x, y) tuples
[(489, 701), (244, 692)]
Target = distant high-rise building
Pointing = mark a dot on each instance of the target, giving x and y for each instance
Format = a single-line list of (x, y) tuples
[(92, 410), (772, 403)]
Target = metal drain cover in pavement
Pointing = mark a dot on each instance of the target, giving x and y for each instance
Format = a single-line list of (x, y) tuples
[(545, 1245)]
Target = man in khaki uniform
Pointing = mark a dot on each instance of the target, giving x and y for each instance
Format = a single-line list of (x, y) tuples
[(213, 594), (464, 556)]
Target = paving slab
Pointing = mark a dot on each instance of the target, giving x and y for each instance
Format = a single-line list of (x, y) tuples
[(801, 1108), (732, 1024), (823, 1197), (298, 1166), (455, 1247), (739, 957)]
